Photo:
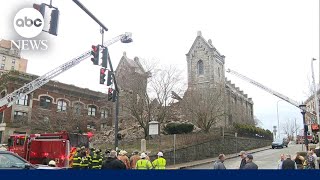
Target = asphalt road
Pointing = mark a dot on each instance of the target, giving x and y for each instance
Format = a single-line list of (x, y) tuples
[(265, 159)]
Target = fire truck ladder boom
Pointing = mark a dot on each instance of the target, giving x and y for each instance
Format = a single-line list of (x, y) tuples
[(9, 99), (279, 95)]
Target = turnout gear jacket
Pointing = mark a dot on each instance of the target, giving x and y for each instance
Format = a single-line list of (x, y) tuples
[(159, 163), (76, 161), (96, 161), (143, 164), (85, 162)]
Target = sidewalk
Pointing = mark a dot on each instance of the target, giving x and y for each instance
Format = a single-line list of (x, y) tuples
[(205, 161)]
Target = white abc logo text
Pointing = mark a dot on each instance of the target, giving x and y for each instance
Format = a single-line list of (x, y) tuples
[(28, 23)]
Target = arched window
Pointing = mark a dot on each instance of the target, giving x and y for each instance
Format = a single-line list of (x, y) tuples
[(45, 102), (62, 105), (92, 110), (200, 67), (104, 114)]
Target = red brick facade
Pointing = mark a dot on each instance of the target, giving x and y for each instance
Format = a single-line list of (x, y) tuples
[(53, 107)]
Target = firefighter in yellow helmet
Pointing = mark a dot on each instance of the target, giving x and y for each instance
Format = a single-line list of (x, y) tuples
[(159, 163), (143, 163)]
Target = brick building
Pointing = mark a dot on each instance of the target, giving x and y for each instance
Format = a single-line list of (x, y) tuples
[(53, 107), (10, 58)]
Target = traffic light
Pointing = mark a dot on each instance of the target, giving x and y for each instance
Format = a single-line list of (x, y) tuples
[(102, 75), (109, 78), (40, 7), (110, 94), (105, 56), (95, 54), (119, 137), (54, 22)]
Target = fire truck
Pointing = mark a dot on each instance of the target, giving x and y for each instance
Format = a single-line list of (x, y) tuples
[(41, 148)]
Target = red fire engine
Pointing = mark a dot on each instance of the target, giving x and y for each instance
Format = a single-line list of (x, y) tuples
[(41, 148)]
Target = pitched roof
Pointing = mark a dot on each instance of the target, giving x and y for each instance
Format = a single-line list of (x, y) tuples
[(135, 63), (208, 43)]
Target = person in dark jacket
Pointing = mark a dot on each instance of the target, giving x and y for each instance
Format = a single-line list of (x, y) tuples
[(219, 163), (112, 162), (243, 159), (249, 163), (288, 163)]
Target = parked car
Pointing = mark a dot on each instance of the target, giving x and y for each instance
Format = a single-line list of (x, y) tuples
[(280, 143), (10, 160)]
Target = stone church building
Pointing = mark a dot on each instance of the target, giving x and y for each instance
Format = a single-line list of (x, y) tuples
[(206, 69)]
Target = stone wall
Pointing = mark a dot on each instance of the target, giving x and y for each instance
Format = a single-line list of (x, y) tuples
[(213, 148)]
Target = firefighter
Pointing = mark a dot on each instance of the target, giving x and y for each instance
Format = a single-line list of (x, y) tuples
[(96, 160), (85, 160), (90, 154), (159, 163), (143, 163), (76, 160)]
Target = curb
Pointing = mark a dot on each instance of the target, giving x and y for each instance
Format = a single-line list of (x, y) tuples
[(211, 161)]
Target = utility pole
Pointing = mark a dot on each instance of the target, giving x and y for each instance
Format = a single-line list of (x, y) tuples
[(315, 92)]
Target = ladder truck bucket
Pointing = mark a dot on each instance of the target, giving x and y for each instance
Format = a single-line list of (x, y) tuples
[(127, 38)]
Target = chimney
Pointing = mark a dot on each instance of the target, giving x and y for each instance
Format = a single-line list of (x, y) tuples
[(124, 54), (136, 59), (199, 33)]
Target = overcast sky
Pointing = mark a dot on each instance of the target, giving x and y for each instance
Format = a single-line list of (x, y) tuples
[(270, 41)]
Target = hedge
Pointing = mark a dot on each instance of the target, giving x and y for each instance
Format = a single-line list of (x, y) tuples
[(252, 131), (177, 128)]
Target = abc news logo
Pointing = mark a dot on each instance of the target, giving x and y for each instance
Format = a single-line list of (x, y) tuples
[(28, 22)]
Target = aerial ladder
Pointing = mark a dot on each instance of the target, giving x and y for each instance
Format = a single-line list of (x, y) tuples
[(9, 99), (279, 95)]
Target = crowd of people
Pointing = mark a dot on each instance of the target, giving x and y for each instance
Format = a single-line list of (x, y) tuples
[(310, 161), (111, 159)]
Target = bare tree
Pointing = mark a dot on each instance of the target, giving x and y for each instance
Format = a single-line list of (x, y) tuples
[(205, 106), (152, 103), (51, 121), (290, 128), (163, 82)]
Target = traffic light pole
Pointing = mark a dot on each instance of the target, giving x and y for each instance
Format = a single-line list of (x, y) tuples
[(116, 129), (116, 118), (90, 14)]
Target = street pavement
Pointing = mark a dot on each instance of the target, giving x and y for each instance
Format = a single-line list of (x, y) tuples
[(267, 159)]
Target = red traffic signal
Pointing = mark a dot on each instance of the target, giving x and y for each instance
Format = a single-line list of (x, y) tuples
[(102, 75), (40, 7), (95, 54)]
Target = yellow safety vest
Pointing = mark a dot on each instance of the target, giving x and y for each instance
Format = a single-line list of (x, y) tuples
[(143, 164), (159, 163)]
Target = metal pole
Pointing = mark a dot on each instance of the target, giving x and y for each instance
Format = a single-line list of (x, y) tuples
[(90, 14), (315, 91), (305, 131), (278, 119), (174, 149), (116, 122)]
